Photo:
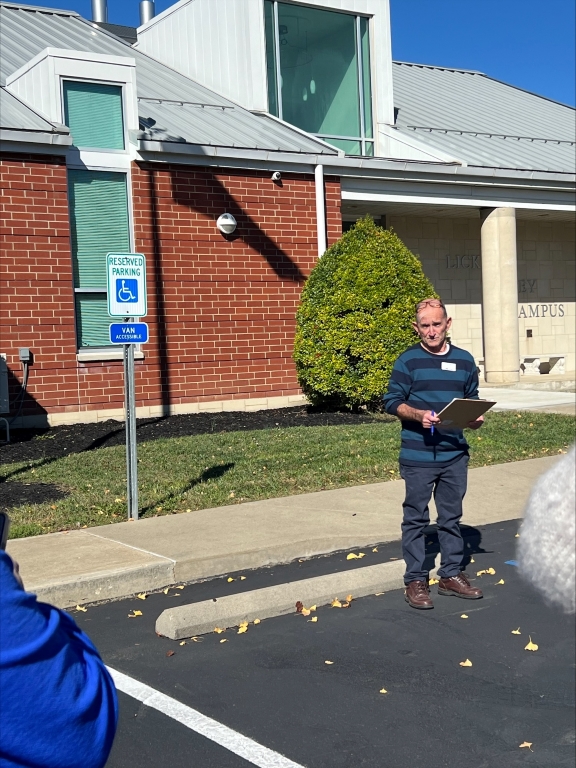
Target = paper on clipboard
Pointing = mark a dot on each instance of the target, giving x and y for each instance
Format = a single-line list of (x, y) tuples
[(460, 412)]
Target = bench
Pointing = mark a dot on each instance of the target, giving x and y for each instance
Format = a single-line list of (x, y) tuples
[(543, 363), (536, 365)]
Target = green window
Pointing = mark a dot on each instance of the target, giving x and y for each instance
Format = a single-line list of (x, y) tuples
[(318, 66), (93, 112), (99, 224)]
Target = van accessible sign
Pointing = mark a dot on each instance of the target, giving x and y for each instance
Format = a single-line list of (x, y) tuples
[(126, 278), (128, 333)]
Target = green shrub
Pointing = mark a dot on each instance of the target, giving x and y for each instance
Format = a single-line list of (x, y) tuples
[(355, 317)]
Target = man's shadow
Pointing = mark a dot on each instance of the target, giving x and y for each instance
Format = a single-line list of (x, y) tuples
[(472, 544)]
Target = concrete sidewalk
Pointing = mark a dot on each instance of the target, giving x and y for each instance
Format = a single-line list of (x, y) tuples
[(118, 560), (513, 399)]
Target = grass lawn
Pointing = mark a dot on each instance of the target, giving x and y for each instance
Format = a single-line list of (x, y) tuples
[(188, 473)]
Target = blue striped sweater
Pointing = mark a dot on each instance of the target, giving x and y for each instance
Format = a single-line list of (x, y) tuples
[(429, 382)]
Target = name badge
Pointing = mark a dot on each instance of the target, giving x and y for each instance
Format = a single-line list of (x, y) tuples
[(448, 366)]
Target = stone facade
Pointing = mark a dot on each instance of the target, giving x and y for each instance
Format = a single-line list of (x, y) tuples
[(450, 252)]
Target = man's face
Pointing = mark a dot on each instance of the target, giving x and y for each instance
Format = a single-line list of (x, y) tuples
[(432, 325)]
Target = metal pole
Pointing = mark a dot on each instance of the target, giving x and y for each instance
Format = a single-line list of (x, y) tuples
[(131, 456)]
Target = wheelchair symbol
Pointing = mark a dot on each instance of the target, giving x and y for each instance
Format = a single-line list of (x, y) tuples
[(126, 291)]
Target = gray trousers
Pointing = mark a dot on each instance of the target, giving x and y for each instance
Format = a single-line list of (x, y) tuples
[(448, 485)]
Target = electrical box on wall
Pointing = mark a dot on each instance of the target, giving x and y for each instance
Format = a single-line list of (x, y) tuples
[(4, 398)]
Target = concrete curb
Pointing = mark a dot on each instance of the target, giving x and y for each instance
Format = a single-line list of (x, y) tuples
[(200, 618), (106, 586)]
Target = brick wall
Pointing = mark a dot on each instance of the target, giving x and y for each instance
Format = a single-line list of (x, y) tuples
[(221, 309), (37, 307)]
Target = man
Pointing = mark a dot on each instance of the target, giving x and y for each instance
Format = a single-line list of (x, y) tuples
[(425, 379)]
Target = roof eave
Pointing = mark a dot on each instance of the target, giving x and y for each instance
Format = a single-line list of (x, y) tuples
[(19, 136)]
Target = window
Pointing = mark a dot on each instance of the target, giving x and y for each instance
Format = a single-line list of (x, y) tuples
[(99, 224), (93, 112), (318, 66)]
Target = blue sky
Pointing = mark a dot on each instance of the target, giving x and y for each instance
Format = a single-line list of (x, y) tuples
[(528, 43)]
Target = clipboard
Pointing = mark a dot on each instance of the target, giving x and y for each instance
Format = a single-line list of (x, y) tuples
[(459, 412)]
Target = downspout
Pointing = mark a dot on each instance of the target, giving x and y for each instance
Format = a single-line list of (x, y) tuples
[(320, 209)]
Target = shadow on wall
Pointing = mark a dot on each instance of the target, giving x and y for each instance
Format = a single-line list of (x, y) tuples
[(213, 200), (22, 403)]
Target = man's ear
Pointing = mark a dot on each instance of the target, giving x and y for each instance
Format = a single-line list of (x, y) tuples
[(415, 328), (448, 323)]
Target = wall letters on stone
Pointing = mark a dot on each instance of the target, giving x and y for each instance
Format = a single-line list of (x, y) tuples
[(541, 310), (467, 261)]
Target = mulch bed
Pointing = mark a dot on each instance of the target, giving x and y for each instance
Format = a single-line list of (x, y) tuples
[(32, 444)]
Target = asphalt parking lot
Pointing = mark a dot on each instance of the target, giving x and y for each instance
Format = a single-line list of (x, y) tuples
[(272, 684)]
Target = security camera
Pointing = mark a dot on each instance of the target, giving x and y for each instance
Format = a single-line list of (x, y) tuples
[(276, 176)]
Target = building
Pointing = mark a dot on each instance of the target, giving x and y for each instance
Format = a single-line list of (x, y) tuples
[(113, 145)]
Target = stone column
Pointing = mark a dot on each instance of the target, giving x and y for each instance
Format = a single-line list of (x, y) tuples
[(500, 295)]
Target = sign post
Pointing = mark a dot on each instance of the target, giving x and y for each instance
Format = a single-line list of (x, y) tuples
[(126, 279)]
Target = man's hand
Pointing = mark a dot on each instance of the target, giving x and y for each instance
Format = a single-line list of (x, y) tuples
[(16, 571), (414, 414), (429, 419), (476, 424)]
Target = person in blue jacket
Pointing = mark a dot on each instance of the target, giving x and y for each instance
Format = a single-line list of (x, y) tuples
[(425, 379), (58, 704)]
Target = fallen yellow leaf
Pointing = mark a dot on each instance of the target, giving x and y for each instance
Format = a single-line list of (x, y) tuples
[(433, 581), (305, 611), (229, 579), (328, 662), (81, 608), (361, 554), (531, 646), (183, 642), (312, 607), (256, 621), (314, 619), (466, 663), (219, 630), (377, 594), (224, 640), (464, 616), (500, 582), (472, 560), (491, 571), (351, 556), (516, 631), (242, 578), (526, 744), (383, 690), (180, 586), (241, 630), (141, 596), (336, 603), (375, 549), (348, 598), (166, 590), (517, 536), (134, 614), (196, 639)]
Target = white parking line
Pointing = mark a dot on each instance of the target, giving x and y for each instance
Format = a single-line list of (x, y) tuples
[(229, 739)]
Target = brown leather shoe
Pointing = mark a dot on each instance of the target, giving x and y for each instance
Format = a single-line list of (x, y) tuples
[(417, 595), (459, 586)]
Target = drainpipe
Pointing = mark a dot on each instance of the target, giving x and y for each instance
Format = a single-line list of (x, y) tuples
[(320, 208), (147, 11), (100, 11)]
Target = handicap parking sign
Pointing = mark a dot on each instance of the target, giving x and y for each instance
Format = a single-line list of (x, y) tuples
[(126, 282), (126, 290)]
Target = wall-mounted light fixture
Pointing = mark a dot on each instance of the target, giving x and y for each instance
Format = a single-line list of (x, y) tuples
[(226, 223)]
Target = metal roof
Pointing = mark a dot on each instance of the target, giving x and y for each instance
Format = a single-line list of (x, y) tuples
[(483, 121), (15, 115), (171, 105)]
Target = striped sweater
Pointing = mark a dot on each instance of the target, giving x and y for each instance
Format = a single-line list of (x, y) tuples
[(429, 382)]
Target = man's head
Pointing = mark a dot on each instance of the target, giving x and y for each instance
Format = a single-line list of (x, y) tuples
[(432, 324)]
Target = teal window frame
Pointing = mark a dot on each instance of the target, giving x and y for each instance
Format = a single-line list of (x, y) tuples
[(90, 242), (362, 144)]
